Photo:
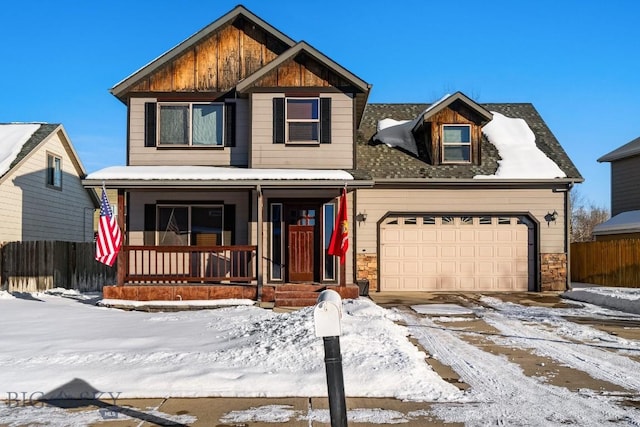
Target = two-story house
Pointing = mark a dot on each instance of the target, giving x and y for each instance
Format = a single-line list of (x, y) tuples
[(625, 195), (241, 140)]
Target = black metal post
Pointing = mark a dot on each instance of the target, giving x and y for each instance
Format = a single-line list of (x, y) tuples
[(335, 381)]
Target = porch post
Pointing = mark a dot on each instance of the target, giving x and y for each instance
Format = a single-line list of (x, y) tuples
[(121, 264), (259, 249)]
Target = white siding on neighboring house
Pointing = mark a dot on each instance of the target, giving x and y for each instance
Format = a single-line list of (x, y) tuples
[(31, 210), (378, 202), (139, 155), (336, 155)]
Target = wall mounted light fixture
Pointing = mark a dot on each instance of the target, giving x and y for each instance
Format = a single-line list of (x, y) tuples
[(361, 217), (551, 217)]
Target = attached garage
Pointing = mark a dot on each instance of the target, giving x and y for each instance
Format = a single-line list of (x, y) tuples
[(457, 253)]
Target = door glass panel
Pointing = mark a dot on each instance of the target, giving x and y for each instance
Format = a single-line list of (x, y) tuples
[(276, 242), (329, 260)]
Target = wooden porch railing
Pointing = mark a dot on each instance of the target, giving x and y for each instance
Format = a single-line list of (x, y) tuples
[(191, 264)]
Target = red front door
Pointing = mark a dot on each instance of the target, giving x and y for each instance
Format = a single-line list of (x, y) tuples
[(301, 235)]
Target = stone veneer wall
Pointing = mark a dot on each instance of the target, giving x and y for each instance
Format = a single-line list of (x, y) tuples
[(367, 268), (553, 269)]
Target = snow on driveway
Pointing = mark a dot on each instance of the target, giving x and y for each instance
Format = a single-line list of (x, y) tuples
[(501, 394), (50, 342)]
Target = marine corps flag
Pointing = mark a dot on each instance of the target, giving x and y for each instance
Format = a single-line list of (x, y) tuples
[(340, 237)]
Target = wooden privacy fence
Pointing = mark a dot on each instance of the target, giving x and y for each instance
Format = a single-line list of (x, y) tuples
[(41, 265), (607, 263)]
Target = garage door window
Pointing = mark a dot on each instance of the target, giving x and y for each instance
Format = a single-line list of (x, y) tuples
[(429, 220)]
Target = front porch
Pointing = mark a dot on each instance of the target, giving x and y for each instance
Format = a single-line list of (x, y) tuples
[(285, 295), (190, 273)]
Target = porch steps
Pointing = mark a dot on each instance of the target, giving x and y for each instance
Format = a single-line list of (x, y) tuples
[(297, 295)]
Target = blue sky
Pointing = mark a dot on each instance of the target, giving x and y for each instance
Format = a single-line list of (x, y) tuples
[(578, 62)]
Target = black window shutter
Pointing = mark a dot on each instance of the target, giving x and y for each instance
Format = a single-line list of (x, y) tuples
[(230, 223), (230, 124), (278, 120), (150, 124), (150, 224), (325, 120)]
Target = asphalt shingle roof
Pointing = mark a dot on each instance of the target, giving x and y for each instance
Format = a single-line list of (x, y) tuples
[(383, 162), (38, 136)]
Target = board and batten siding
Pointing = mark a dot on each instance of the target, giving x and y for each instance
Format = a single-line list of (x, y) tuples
[(139, 155), (138, 199), (625, 192), (31, 210), (336, 155), (378, 202)]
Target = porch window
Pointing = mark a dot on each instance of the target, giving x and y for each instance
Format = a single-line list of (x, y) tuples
[(54, 171), (277, 254), (190, 225), (329, 261), (191, 124), (456, 144)]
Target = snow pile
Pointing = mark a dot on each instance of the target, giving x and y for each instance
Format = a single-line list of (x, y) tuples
[(516, 144), (238, 351), (623, 299), (12, 137), (6, 295)]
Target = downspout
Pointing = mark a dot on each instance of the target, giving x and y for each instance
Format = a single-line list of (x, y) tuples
[(259, 249), (567, 215)]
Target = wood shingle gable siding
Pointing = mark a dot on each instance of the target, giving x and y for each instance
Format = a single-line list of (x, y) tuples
[(212, 60)]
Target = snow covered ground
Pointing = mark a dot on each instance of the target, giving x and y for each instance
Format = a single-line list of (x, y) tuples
[(65, 346)]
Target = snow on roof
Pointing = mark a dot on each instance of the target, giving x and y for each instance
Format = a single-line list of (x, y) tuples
[(515, 141), (399, 133), (13, 136), (516, 144), (625, 222), (203, 173)]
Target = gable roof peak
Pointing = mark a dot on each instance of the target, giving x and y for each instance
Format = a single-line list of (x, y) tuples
[(121, 88)]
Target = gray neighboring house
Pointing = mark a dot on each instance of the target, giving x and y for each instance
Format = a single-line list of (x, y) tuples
[(40, 186), (625, 193)]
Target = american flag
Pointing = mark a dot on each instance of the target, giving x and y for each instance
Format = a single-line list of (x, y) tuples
[(109, 236)]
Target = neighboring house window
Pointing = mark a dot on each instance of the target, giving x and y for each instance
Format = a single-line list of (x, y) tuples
[(456, 144), (191, 225), (191, 124), (298, 120), (54, 171)]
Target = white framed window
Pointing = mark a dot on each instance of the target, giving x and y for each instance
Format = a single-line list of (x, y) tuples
[(191, 124), (456, 143), (302, 117), (54, 171)]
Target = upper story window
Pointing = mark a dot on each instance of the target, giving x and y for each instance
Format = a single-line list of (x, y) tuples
[(191, 124), (456, 143), (303, 120), (54, 171)]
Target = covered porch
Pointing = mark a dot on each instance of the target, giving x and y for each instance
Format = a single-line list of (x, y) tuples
[(209, 238)]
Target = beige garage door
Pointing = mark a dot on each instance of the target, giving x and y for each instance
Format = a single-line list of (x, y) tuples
[(454, 253)]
